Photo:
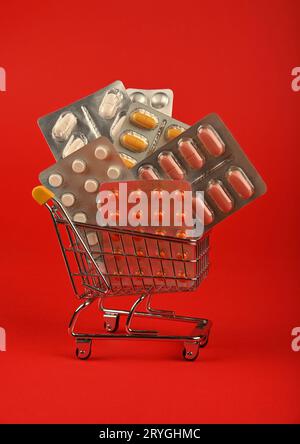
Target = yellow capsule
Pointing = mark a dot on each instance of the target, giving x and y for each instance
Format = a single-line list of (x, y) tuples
[(143, 119), (128, 161), (173, 131), (134, 141)]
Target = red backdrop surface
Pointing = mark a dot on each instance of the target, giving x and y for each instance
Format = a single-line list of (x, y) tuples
[(234, 58)]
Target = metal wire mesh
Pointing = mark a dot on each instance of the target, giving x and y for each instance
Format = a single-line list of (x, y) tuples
[(132, 262)]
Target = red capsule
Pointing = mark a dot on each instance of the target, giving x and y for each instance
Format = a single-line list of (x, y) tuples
[(211, 140), (208, 215), (220, 197), (240, 183), (190, 154), (147, 173), (170, 166)]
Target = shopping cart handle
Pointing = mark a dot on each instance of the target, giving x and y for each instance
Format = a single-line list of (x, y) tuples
[(41, 194)]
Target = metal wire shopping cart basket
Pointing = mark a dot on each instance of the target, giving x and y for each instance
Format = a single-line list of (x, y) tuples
[(110, 261)]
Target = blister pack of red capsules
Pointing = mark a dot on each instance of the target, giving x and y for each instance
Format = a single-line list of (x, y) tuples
[(211, 160), (146, 206), (150, 259)]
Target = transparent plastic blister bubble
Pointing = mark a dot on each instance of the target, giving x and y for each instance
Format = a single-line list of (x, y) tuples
[(75, 180), (158, 99), (207, 156), (71, 127), (144, 130)]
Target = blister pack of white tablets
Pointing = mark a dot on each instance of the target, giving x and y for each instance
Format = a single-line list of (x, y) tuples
[(70, 128), (159, 99), (143, 130), (75, 180)]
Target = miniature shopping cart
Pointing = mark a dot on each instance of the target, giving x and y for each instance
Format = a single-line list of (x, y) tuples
[(110, 261)]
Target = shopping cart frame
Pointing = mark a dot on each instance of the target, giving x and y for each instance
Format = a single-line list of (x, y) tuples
[(95, 286)]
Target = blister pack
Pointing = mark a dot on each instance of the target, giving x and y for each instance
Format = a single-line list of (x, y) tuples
[(159, 99), (155, 207), (208, 156), (147, 260), (75, 180), (71, 127), (144, 130)]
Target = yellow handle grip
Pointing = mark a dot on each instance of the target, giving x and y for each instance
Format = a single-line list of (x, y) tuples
[(41, 194)]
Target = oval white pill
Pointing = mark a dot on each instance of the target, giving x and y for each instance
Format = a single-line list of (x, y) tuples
[(68, 199), (72, 147), (110, 104), (113, 172), (117, 126), (91, 185), (92, 238), (64, 126), (101, 152), (80, 217), (55, 180), (78, 166)]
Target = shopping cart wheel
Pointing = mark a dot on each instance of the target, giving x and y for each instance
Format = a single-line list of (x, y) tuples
[(190, 351), (204, 344), (111, 322), (83, 349)]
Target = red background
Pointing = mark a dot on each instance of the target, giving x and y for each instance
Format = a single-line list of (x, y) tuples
[(234, 58)]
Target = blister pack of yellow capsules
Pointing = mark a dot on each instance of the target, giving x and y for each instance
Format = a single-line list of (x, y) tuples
[(144, 129)]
